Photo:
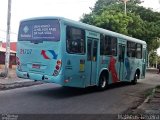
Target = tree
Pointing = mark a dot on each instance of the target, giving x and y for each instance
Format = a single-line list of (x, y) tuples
[(153, 59), (140, 22), (100, 5), (158, 60)]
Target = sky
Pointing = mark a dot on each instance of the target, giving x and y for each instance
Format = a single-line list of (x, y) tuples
[(72, 9), (22, 9)]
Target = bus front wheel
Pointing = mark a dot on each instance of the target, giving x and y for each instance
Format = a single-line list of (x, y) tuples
[(103, 82)]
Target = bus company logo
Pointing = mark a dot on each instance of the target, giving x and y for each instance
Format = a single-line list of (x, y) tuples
[(26, 29), (49, 54), (26, 32)]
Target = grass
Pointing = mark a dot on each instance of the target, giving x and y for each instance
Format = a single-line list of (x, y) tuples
[(151, 92), (158, 87), (148, 92)]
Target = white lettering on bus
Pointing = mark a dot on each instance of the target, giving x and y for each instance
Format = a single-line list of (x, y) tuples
[(25, 35)]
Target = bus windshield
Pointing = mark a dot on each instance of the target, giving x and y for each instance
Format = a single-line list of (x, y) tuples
[(39, 30)]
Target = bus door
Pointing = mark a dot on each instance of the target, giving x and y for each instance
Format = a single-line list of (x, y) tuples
[(92, 45), (121, 60)]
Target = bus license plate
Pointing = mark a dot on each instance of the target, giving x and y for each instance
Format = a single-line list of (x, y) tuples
[(36, 66)]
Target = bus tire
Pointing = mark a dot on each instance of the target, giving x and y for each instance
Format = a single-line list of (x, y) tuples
[(103, 82), (134, 81)]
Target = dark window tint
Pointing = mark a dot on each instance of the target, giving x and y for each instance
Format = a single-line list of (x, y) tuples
[(134, 50), (102, 44), (131, 49), (95, 51), (89, 50), (139, 51), (75, 40), (121, 53), (108, 45)]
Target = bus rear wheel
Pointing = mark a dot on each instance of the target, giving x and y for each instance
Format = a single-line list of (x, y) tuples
[(103, 82), (134, 81)]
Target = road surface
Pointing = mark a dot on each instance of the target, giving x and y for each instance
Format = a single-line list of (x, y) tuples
[(53, 99)]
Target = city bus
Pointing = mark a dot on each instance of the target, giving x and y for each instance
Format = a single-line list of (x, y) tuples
[(75, 54)]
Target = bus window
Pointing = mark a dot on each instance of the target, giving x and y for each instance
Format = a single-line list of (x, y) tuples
[(75, 40), (39, 30), (131, 49), (89, 50), (102, 44), (108, 45), (121, 53), (139, 51), (95, 51)]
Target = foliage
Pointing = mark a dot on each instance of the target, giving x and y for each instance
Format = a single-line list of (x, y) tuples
[(153, 44), (158, 60), (152, 58), (100, 5), (148, 92), (158, 87), (139, 22)]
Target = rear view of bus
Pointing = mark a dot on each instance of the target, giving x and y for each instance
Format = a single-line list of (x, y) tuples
[(38, 54)]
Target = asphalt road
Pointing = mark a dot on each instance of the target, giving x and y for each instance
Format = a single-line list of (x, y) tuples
[(54, 99)]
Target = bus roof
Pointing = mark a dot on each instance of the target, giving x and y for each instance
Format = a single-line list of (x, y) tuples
[(89, 27)]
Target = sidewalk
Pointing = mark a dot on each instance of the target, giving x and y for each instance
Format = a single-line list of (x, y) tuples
[(152, 104), (12, 81), (148, 108)]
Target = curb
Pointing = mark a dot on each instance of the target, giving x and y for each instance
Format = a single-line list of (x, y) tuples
[(19, 85), (134, 108), (144, 105), (149, 70), (147, 100), (152, 100)]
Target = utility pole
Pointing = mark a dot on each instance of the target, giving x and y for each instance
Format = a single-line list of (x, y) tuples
[(148, 59), (125, 6), (156, 61), (7, 57)]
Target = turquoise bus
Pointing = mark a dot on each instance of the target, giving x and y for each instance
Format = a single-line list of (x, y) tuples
[(70, 53)]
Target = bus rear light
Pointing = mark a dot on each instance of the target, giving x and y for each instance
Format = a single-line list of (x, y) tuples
[(55, 73), (59, 62), (57, 67)]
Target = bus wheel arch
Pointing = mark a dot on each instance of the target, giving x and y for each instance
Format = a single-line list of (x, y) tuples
[(103, 80)]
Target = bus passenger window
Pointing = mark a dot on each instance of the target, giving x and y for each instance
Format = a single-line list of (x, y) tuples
[(75, 40), (131, 49), (95, 51), (102, 44), (89, 51), (139, 51), (108, 45)]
